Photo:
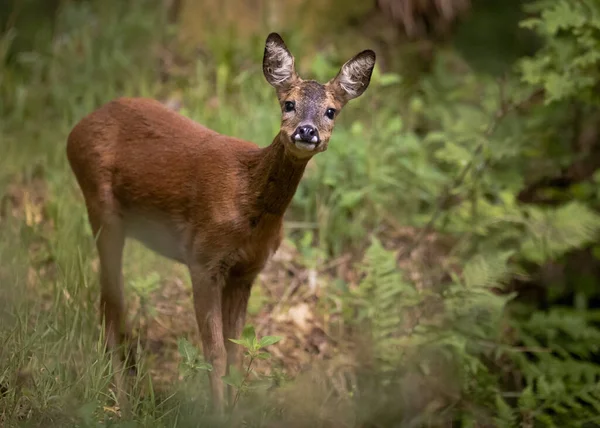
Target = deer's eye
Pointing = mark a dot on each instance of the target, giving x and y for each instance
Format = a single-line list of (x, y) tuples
[(289, 106), (330, 113)]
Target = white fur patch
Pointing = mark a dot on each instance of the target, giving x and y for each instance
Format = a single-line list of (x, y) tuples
[(279, 55), (305, 146), (353, 74)]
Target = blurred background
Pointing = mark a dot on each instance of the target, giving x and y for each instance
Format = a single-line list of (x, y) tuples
[(441, 261)]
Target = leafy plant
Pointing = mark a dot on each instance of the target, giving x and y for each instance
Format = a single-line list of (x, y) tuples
[(192, 361), (253, 351)]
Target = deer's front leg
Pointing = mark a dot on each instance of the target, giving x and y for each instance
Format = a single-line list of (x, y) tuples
[(208, 288), (235, 304)]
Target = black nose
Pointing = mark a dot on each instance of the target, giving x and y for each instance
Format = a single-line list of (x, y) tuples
[(308, 133)]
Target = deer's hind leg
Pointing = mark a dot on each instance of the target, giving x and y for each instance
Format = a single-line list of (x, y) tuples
[(109, 234)]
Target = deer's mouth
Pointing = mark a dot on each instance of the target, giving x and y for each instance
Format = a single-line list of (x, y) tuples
[(306, 144)]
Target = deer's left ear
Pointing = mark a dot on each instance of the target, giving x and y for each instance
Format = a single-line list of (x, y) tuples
[(278, 63), (354, 76)]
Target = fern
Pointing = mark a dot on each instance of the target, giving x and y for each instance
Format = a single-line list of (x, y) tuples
[(457, 335), (383, 298), (568, 65), (486, 271), (552, 232), (564, 384), (550, 378)]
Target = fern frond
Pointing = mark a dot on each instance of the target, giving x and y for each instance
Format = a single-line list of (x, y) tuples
[(487, 270), (552, 232)]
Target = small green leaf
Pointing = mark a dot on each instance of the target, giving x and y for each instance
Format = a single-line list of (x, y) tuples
[(263, 356), (269, 340), (248, 339), (187, 350), (248, 333), (238, 341)]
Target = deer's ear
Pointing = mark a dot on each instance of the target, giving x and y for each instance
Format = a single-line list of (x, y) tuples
[(354, 76), (278, 63)]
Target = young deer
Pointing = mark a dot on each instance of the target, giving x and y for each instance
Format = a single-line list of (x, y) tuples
[(213, 202)]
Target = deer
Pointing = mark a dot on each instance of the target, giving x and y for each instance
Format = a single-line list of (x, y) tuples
[(195, 196)]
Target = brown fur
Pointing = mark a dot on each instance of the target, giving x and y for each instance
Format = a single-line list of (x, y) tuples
[(211, 201)]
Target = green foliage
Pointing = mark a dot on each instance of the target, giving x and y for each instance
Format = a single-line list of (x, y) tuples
[(553, 232), (253, 344), (466, 324), (254, 351), (486, 271), (381, 300), (567, 65), (559, 383), (477, 131), (192, 361), (98, 61), (563, 385)]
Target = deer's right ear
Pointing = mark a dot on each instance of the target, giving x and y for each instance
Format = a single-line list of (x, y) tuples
[(278, 63), (354, 76)]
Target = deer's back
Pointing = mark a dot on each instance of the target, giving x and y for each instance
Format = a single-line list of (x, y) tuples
[(150, 155), (164, 174)]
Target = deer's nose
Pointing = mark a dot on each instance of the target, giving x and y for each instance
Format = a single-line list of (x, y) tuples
[(307, 133)]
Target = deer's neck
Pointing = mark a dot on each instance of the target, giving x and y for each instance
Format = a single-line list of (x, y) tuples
[(275, 178)]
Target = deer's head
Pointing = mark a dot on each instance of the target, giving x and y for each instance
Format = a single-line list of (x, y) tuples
[(309, 108)]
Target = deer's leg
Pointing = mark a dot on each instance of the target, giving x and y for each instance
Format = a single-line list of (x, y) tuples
[(207, 289), (110, 240), (235, 304)]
